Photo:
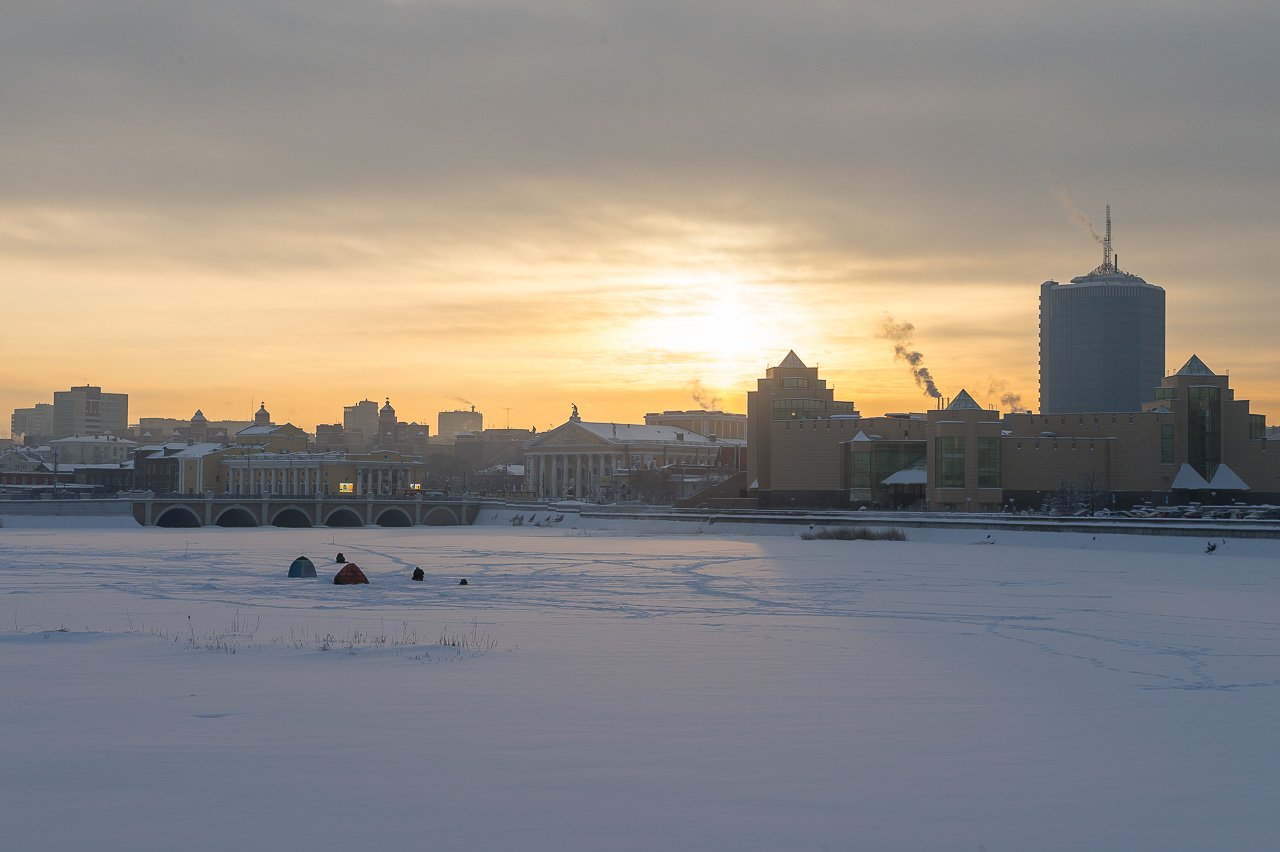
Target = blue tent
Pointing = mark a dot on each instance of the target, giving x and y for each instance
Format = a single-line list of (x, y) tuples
[(302, 567)]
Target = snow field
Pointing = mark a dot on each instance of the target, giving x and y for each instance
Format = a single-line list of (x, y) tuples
[(635, 689)]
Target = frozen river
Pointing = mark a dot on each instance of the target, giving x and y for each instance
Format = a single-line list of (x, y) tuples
[(594, 689)]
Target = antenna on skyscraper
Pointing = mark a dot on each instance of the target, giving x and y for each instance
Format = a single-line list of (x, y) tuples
[(1106, 243)]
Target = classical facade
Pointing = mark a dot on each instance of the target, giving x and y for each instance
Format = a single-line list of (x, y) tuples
[(597, 461)]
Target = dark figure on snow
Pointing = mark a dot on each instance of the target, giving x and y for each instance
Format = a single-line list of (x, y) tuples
[(340, 558), (462, 582), (418, 574)]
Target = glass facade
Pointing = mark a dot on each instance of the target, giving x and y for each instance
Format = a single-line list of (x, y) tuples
[(988, 462), (950, 464), (1204, 429), (868, 468), (1101, 343), (807, 409), (1166, 444), (798, 409), (1257, 426)]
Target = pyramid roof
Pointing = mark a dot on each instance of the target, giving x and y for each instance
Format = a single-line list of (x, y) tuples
[(1226, 479), (1188, 478), (1195, 367), (963, 402), (792, 360)]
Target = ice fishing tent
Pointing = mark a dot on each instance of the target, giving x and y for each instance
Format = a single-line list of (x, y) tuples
[(302, 567), (350, 575)]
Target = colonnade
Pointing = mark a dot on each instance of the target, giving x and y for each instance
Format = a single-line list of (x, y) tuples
[(277, 479), (551, 475), (273, 480)]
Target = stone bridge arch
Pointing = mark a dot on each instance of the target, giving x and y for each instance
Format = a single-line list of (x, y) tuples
[(393, 516), (179, 517), (236, 516), (291, 516), (440, 516), (343, 516)]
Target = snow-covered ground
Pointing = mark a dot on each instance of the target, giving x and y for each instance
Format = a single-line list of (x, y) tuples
[(600, 687)]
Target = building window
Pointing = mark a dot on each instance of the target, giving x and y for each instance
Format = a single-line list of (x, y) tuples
[(798, 409), (795, 383), (861, 471), (1204, 430), (988, 462), (1258, 426), (950, 462), (1164, 393), (1166, 444)]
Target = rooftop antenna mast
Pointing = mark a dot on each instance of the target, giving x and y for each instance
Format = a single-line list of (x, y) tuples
[(1106, 244)]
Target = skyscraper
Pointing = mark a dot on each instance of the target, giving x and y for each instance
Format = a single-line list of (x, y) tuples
[(1101, 339)]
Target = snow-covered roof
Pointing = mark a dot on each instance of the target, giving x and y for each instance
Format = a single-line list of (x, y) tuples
[(250, 431), (95, 439), (1226, 479), (1188, 478), (916, 473), (628, 432), (194, 451)]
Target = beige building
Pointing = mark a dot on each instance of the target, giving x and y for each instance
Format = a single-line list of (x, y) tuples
[(598, 461), (268, 437), (86, 410), (1194, 442), (92, 449), (722, 424)]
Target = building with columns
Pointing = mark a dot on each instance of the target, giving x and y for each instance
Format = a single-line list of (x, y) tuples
[(586, 460)]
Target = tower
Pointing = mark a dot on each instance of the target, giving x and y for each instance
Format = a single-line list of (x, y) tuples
[(1101, 339)]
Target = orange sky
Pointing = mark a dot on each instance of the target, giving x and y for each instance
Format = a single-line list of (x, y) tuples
[(528, 207)]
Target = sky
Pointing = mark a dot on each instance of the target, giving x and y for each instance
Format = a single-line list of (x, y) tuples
[(627, 206)]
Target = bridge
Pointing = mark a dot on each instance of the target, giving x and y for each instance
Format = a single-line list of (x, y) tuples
[(283, 510)]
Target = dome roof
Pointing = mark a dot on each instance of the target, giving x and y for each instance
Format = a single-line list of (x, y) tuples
[(387, 409)]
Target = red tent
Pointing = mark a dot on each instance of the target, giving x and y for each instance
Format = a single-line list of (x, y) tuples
[(350, 575)]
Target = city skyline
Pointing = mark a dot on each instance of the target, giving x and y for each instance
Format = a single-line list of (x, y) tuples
[(628, 208)]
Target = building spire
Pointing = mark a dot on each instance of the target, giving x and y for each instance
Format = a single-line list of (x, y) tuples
[(1106, 243)]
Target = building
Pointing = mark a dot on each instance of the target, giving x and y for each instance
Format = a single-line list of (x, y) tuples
[(722, 424), (621, 461), (1193, 442), (362, 418), (36, 423), (450, 423), (87, 410), (92, 449), (269, 437), (788, 397), (1101, 340)]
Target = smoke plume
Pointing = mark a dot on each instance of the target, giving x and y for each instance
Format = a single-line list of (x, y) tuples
[(463, 400), (1076, 215), (700, 396), (900, 336), (1012, 402)]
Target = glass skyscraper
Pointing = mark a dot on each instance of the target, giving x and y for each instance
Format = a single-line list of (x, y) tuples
[(1101, 340)]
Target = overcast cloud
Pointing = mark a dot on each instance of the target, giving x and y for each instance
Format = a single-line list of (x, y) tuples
[(827, 144)]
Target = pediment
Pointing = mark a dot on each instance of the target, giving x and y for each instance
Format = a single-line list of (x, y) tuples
[(569, 435)]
